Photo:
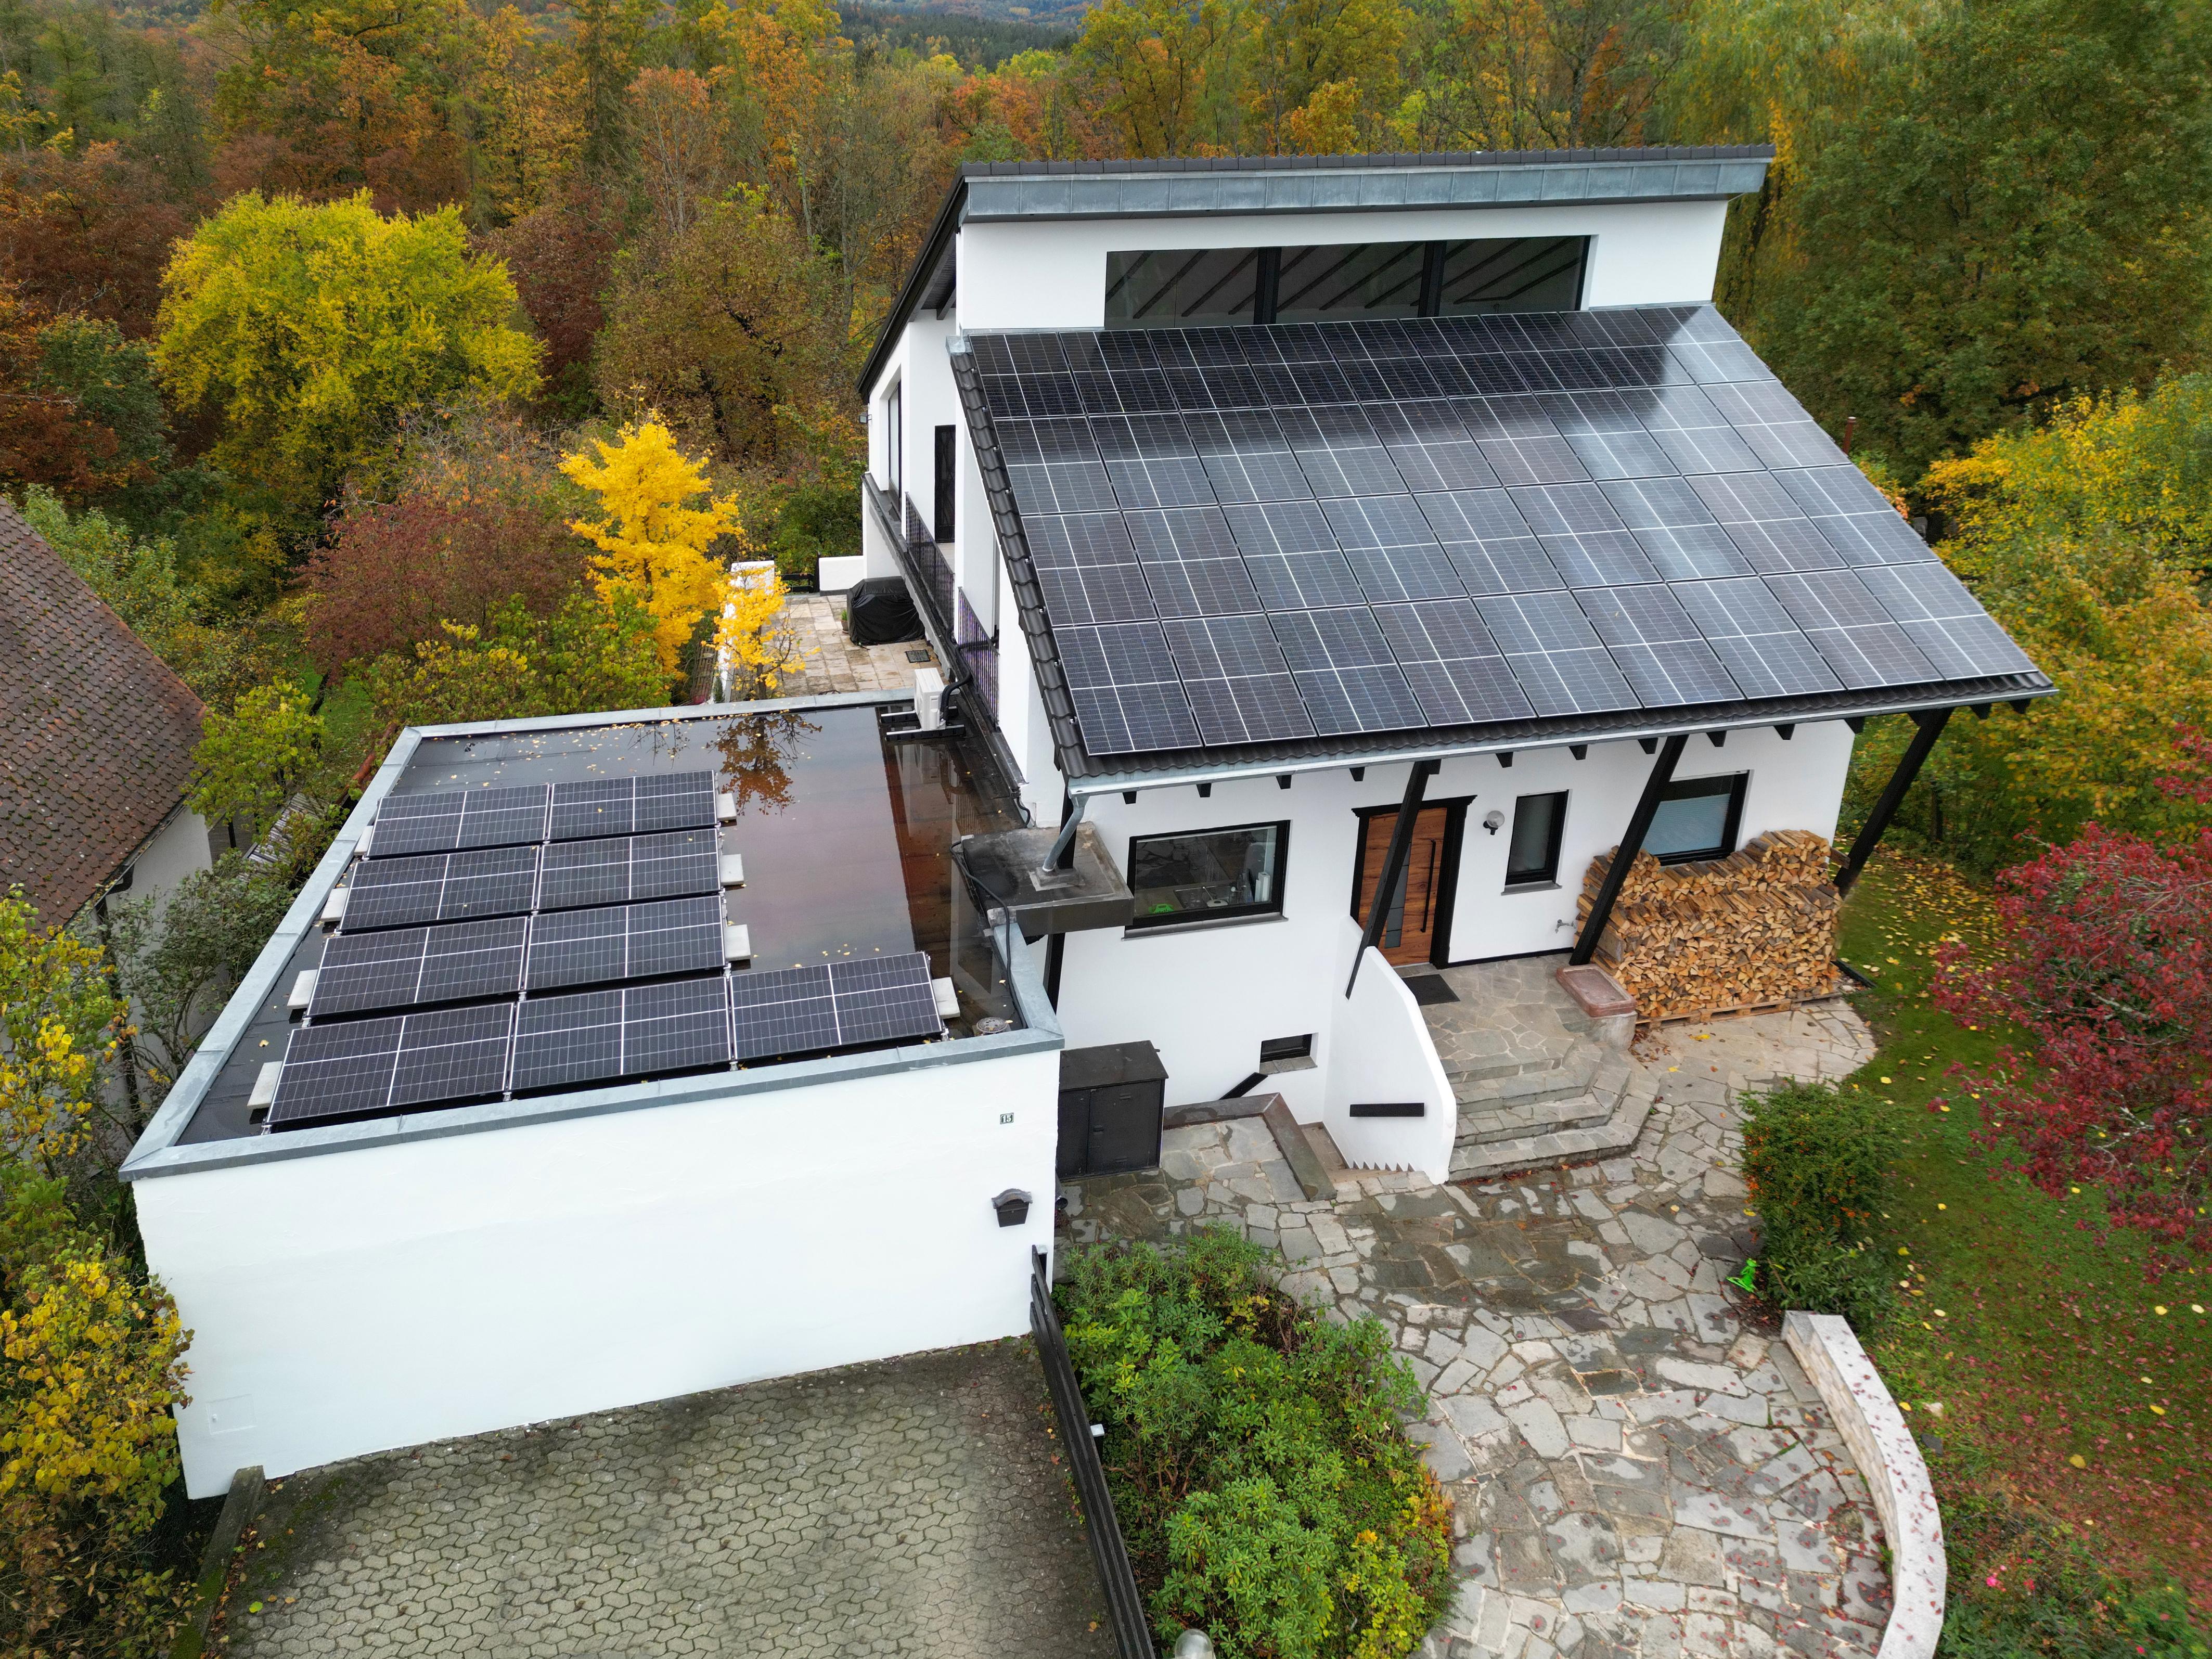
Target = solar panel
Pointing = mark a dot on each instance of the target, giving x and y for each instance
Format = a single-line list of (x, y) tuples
[(356, 1068), (795, 1010), (457, 819), (445, 887), (638, 806), (1377, 525), (628, 941), (640, 1030), (364, 972), (621, 869)]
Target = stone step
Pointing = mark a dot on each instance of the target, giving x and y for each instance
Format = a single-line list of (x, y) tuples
[(1570, 1076), (1493, 1160), (1606, 1081)]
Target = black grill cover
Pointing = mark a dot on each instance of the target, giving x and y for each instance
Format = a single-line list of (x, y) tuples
[(879, 612)]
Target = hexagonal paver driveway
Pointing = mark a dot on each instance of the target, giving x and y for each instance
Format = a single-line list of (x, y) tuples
[(916, 1506)]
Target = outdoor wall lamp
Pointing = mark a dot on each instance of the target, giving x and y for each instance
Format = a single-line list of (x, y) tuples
[(1013, 1207), (1492, 820)]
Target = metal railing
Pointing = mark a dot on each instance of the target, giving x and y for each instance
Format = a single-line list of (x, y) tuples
[(1125, 1607)]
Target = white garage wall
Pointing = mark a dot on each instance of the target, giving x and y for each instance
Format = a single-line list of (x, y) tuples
[(1207, 995), (359, 1300), (1051, 273)]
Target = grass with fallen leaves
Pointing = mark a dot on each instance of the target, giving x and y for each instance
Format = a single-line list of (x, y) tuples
[(2063, 1398)]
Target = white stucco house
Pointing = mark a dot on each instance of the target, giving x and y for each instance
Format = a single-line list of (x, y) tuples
[(1298, 530)]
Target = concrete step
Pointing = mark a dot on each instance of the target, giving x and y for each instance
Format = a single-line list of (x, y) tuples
[(1513, 1117), (1570, 1076), (1493, 1160)]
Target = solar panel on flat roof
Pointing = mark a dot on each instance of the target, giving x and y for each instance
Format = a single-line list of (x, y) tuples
[(629, 941), (624, 869), (638, 806), (796, 1011), (455, 963), (358, 1068), (642, 1030), (454, 819), (404, 892), (1419, 462)]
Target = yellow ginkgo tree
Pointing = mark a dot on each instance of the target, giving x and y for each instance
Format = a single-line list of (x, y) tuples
[(654, 541)]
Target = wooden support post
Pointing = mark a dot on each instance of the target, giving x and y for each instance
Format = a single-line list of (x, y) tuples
[(1393, 865), (1631, 843), (1931, 723)]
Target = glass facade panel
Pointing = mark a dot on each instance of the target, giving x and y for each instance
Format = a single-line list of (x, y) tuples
[(1213, 875), (1528, 273), (1339, 284), (1190, 287)]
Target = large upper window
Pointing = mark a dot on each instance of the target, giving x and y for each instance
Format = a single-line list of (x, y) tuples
[(1696, 819), (1213, 875), (1195, 287)]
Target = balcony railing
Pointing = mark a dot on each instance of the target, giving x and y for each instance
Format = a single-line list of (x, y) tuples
[(952, 620)]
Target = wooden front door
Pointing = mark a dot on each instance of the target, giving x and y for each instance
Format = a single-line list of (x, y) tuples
[(1409, 932)]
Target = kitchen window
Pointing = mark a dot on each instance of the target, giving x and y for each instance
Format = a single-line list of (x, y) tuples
[(1209, 875)]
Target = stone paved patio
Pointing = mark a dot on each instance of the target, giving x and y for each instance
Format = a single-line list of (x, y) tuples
[(830, 662), (913, 1507), (1636, 1468)]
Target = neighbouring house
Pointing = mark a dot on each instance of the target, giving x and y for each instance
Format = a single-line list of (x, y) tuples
[(96, 740), (1335, 559)]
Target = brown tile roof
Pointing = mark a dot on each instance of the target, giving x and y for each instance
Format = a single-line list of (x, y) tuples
[(96, 734)]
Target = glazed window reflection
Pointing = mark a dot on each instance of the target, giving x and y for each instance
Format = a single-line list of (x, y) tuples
[(1213, 875)]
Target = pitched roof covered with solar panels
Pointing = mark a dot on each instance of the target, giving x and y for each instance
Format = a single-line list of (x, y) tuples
[(1262, 546)]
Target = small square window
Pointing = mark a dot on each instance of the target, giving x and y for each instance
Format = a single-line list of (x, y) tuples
[(1210, 875), (1696, 819), (1532, 859)]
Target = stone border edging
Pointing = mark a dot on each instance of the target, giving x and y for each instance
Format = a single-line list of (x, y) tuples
[(1888, 1456), (240, 1506)]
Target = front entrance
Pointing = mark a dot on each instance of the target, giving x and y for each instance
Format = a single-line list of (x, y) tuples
[(1418, 927)]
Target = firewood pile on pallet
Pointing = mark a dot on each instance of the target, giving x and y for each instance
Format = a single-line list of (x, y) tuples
[(1756, 929)]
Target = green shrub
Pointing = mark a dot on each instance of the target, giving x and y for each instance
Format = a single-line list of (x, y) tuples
[(1255, 1454), (1818, 1166)]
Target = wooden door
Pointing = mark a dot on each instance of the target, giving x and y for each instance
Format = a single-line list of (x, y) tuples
[(1409, 932)]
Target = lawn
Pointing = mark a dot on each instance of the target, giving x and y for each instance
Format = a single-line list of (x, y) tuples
[(2062, 1396)]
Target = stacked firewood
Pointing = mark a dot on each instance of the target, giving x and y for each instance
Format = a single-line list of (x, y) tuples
[(1754, 929)]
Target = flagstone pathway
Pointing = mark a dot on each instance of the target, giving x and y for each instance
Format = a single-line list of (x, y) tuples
[(1638, 1471)]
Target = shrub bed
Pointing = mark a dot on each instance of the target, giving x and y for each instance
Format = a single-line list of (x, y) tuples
[(1254, 1451), (1818, 1166)]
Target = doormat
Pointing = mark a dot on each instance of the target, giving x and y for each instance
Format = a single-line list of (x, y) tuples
[(917, 656), (1430, 989)]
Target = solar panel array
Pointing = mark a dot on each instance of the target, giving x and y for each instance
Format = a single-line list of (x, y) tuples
[(841, 1003), (1254, 534), (470, 933)]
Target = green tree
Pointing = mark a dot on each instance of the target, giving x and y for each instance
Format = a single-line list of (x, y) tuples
[(2013, 214), (252, 759), (313, 328), (1163, 69)]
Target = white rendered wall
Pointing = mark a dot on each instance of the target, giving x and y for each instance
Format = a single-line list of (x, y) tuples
[(1381, 1050), (1051, 273), (360, 1300), (1207, 995), (178, 849)]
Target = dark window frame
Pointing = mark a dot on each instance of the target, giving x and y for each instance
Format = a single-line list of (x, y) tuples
[(1735, 784), (895, 443), (1229, 913), (1549, 874), (946, 460), (1266, 280), (1274, 1050)]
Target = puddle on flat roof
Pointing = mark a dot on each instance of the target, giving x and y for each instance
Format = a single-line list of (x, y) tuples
[(846, 837)]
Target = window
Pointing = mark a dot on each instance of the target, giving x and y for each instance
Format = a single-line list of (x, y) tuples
[(895, 443), (1214, 875), (1533, 857), (1195, 287), (1696, 819), (1274, 1050), (940, 519)]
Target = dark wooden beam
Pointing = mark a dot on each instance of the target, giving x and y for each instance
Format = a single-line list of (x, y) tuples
[(1631, 843), (1931, 723), (1394, 864)]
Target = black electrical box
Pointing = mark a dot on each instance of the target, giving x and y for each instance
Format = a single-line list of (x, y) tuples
[(1111, 1102)]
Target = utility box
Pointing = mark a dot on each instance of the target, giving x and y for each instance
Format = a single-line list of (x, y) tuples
[(1110, 1102)]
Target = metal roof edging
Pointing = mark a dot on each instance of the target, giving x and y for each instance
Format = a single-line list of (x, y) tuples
[(1103, 784)]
